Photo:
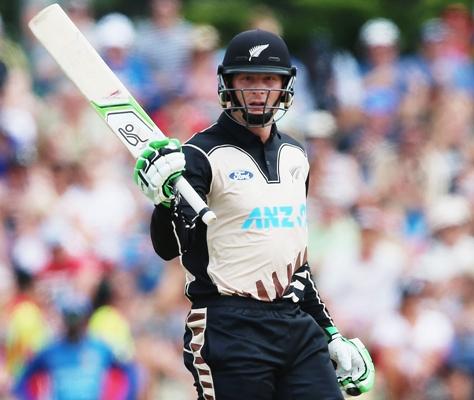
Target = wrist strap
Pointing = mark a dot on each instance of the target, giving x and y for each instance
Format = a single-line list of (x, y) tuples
[(332, 333)]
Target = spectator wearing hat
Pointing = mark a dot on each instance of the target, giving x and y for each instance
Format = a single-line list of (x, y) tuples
[(380, 39), (116, 35), (451, 253), (384, 73), (371, 132), (431, 58)]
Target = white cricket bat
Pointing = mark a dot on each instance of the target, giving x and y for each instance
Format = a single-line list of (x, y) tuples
[(107, 95)]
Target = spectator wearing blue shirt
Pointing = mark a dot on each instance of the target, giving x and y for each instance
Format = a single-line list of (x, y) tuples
[(76, 363)]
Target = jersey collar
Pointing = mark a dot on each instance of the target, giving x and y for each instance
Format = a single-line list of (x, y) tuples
[(241, 133)]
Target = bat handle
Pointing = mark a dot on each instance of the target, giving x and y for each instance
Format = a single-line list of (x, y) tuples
[(195, 201)]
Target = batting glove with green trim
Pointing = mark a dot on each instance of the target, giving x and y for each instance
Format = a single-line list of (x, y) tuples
[(157, 168), (354, 367)]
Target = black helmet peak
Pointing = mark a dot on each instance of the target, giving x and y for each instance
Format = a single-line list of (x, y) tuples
[(257, 51)]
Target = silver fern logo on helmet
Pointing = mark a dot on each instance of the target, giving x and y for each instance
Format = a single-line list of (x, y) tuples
[(256, 50)]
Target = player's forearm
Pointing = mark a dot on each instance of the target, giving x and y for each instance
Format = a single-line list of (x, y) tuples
[(318, 311), (168, 232), (312, 302)]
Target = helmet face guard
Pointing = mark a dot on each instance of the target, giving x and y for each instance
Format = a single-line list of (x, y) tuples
[(271, 112), (258, 52)]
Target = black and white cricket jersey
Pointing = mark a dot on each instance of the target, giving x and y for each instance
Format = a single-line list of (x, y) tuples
[(258, 246)]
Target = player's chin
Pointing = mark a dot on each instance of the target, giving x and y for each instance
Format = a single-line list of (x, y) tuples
[(256, 110)]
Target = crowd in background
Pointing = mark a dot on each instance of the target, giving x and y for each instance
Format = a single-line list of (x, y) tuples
[(390, 139)]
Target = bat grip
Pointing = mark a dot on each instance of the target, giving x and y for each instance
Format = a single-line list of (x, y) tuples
[(195, 201)]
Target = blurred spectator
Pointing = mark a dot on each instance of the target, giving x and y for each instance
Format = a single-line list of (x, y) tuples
[(457, 18), (46, 74), (335, 177), (17, 122), (81, 13), (384, 75), (346, 88), (139, 260), (195, 108), (410, 345), (26, 329), (29, 251), (165, 44), (11, 54), (98, 228), (109, 324), (180, 118), (451, 135), (323, 64), (400, 178), (63, 271), (464, 183), (201, 82), (3, 77), (7, 152), (452, 252), (456, 376), (70, 129), (75, 362), (115, 39), (362, 281), (7, 145), (431, 58), (330, 227)]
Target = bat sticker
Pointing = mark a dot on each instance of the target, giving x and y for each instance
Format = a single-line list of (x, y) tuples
[(129, 136)]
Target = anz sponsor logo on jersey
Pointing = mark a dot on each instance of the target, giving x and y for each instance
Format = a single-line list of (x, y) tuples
[(240, 175), (270, 217)]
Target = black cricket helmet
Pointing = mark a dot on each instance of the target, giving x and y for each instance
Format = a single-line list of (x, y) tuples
[(256, 51)]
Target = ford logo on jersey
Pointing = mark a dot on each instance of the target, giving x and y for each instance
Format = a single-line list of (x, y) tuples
[(240, 175)]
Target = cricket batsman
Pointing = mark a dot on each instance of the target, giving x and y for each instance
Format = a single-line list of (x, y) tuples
[(257, 328)]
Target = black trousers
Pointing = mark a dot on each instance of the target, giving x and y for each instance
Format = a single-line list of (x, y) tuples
[(240, 348)]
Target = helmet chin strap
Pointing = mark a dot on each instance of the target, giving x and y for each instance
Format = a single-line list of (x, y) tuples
[(254, 120), (257, 119)]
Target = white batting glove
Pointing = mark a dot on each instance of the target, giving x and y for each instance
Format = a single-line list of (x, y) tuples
[(354, 367), (160, 164)]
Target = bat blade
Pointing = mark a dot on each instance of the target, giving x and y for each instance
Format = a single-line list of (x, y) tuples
[(93, 77), (101, 87)]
